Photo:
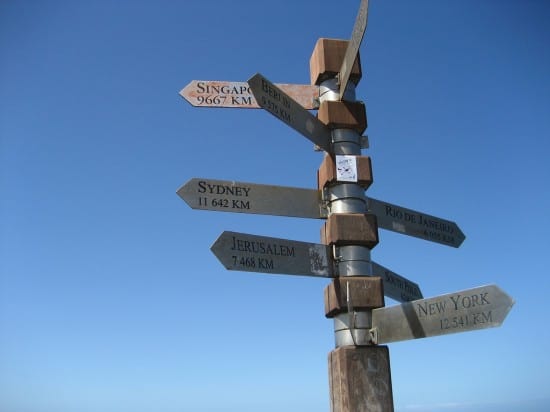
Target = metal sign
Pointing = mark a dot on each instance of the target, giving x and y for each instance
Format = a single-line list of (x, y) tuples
[(417, 224), (218, 93), (241, 197), (251, 253), (478, 308), (353, 46), (231, 196), (395, 286), (282, 106)]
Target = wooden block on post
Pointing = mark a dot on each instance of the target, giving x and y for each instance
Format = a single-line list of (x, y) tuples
[(366, 293), (343, 115), (360, 379), (326, 61), (327, 172), (343, 229)]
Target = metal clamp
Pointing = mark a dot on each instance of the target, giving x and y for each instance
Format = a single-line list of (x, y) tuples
[(351, 314), (373, 336), (352, 260)]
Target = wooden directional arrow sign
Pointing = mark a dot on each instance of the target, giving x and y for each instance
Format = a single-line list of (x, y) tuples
[(215, 93), (353, 46), (251, 253), (282, 106), (395, 286), (231, 196), (413, 223), (478, 308)]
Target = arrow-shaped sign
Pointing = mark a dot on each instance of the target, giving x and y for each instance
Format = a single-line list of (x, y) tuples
[(251, 253), (218, 93), (395, 286), (282, 106), (417, 224), (261, 254), (353, 46), (240, 197), (478, 308)]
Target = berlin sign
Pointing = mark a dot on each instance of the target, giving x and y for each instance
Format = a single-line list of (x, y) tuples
[(282, 106)]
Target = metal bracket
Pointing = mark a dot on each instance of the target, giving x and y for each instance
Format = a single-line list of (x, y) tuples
[(323, 204), (323, 210), (351, 314), (373, 334), (325, 195), (335, 256)]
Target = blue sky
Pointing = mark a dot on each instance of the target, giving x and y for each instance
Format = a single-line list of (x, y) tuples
[(110, 299)]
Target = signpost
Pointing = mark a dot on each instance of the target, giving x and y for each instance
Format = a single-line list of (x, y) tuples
[(218, 93), (478, 308), (358, 367), (282, 106), (353, 47)]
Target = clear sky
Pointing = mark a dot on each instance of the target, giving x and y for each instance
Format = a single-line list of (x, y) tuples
[(110, 298)]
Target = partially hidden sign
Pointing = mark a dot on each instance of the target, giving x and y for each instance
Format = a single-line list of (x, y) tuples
[(219, 93), (285, 108)]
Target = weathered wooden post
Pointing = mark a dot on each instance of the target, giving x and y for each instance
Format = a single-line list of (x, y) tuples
[(359, 372)]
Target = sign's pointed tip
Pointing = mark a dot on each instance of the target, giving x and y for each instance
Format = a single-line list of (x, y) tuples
[(215, 246), (254, 77)]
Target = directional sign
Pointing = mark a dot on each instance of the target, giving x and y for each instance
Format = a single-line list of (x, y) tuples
[(216, 93), (395, 286), (478, 308), (241, 197), (413, 223), (251, 253), (282, 106), (353, 46), (231, 196)]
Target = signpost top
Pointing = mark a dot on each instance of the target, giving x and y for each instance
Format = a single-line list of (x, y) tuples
[(353, 46)]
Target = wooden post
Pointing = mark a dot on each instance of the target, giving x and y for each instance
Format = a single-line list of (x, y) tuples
[(359, 372)]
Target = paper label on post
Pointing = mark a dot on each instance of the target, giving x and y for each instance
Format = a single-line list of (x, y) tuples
[(346, 168)]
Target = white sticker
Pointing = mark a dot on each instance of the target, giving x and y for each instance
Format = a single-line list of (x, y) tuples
[(346, 168)]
